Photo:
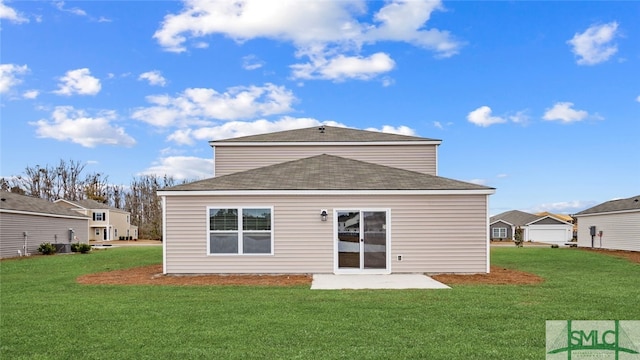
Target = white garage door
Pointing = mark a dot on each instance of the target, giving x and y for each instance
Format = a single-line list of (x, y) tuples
[(551, 236)]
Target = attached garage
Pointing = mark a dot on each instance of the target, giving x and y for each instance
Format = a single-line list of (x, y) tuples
[(550, 230)]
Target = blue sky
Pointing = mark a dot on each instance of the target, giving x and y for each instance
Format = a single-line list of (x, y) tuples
[(538, 99)]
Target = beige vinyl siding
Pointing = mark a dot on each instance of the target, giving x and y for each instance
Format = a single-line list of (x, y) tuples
[(433, 233), (420, 158), (118, 220), (40, 229), (621, 231)]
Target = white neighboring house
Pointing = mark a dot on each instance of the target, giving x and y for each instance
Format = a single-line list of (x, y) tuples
[(106, 222), (551, 230), (546, 229), (616, 225)]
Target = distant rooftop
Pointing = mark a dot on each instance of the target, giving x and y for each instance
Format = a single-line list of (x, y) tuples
[(23, 203), (324, 133), (515, 217)]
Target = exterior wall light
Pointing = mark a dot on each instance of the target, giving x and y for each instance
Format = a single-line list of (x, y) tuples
[(323, 214)]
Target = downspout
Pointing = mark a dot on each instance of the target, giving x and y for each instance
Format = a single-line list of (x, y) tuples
[(25, 246)]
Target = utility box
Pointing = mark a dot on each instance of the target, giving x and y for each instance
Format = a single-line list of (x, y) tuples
[(63, 248)]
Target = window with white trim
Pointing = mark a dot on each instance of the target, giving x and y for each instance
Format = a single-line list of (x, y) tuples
[(240, 230), (499, 233)]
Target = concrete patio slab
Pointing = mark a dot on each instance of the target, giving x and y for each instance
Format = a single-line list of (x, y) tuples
[(365, 281)]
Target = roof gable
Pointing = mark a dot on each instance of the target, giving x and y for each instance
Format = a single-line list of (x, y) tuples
[(500, 221), (515, 217), (22, 203), (89, 204), (323, 133), (327, 172), (549, 220), (629, 204)]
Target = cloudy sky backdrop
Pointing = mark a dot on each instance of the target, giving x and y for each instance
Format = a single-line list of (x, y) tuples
[(538, 99)]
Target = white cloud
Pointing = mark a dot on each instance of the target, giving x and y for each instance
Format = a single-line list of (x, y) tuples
[(234, 129), (482, 117), (502, 176), (70, 124), (30, 94), (520, 117), (564, 207), (438, 125), (154, 77), (181, 168), (78, 81), (334, 31), (11, 14), (251, 62), (478, 181), (198, 105), (594, 45), (75, 11), (638, 98), (400, 130), (343, 67), (9, 76), (563, 112)]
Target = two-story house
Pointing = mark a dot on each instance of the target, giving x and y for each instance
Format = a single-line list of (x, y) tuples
[(326, 200), (105, 222)]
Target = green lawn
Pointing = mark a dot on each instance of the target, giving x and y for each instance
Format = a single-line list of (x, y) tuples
[(46, 315)]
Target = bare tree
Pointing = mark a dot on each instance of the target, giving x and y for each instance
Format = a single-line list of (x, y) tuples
[(96, 188), (145, 205)]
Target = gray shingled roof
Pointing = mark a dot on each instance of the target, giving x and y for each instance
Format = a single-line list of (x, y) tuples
[(330, 134), (327, 172), (515, 217), (632, 203), (16, 202), (92, 204)]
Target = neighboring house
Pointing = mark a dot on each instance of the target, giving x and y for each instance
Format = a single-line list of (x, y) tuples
[(535, 228), (326, 200), (106, 222), (566, 218), (616, 225), (26, 222)]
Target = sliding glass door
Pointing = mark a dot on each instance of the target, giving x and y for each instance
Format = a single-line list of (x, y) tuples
[(362, 244)]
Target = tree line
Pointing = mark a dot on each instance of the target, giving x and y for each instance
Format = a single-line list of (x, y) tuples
[(67, 180)]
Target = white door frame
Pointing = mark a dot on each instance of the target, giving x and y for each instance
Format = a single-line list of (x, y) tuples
[(362, 270)]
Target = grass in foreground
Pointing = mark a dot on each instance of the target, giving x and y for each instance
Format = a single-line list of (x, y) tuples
[(46, 315)]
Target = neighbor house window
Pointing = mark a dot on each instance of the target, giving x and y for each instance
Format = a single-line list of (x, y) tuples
[(99, 216), (499, 233), (97, 231), (240, 230)]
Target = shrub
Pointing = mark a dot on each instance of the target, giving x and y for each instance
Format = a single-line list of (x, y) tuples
[(47, 249), (84, 248), (81, 248)]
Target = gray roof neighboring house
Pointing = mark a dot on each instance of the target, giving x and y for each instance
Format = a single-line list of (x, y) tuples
[(327, 172), (323, 133), (90, 204), (11, 202), (629, 204), (515, 217)]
